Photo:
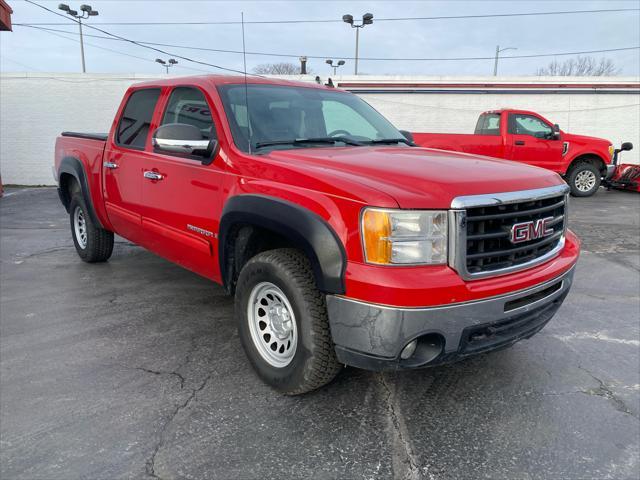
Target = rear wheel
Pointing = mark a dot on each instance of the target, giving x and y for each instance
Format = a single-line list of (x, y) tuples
[(584, 179), (93, 244), (282, 322)]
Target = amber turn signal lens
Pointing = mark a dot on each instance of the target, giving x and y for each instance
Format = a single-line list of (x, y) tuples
[(377, 232)]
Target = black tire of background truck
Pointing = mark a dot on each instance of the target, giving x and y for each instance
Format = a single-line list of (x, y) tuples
[(574, 173), (314, 363), (99, 242)]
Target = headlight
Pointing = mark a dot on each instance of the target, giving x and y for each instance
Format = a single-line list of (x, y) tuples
[(611, 151), (404, 237)]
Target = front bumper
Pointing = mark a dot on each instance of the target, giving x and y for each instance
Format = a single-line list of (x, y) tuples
[(372, 336)]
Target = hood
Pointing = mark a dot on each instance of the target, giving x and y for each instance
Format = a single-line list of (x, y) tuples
[(415, 177), (584, 139)]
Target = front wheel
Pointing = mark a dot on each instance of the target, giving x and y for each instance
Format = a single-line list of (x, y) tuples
[(282, 322), (584, 179), (93, 244)]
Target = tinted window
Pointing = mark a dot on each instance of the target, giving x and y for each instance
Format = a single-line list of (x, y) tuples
[(284, 113), (133, 128), (188, 105), (488, 124), (521, 124)]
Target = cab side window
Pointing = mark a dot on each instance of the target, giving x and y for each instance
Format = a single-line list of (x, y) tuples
[(520, 124), (187, 105), (133, 128), (488, 124)]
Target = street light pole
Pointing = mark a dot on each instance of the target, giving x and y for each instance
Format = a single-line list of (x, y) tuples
[(84, 68), (367, 19), (87, 12), (495, 64), (169, 63), (335, 66), (357, 44)]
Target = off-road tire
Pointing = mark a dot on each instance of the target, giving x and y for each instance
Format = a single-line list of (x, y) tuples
[(99, 242), (584, 168), (314, 363)]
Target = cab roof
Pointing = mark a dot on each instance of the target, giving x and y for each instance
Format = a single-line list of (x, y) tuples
[(511, 110), (207, 81)]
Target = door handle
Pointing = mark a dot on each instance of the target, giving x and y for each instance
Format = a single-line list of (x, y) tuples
[(519, 142), (152, 175), (110, 165)]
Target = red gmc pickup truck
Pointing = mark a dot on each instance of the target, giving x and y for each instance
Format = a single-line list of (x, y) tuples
[(342, 242), (528, 137)]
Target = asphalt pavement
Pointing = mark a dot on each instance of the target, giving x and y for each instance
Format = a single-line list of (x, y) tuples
[(133, 369)]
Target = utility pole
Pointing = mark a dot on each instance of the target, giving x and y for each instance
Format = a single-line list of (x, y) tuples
[(87, 12), (367, 19), (498, 50)]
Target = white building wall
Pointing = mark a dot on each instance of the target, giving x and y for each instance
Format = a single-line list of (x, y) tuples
[(35, 108)]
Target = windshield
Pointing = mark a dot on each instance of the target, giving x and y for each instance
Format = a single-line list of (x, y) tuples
[(298, 117)]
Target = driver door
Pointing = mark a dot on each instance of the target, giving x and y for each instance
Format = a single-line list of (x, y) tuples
[(532, 141), (181, 196)]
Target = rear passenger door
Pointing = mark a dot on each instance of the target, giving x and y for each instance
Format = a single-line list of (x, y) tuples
[(182, 204), (123, 161)]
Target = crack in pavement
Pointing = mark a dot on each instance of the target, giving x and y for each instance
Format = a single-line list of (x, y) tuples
[(604, 391), (403, 453), (160, 372), (150, 465)]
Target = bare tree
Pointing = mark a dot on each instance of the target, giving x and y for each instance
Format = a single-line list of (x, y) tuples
[(579, 67), (282, 68)]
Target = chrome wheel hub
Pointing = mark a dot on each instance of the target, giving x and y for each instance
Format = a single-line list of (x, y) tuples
[(585, 181), (80, 227), (272, 324)]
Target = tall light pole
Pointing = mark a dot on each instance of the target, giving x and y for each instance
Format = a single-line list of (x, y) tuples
[(498, 50), (329, 62), (87, 12), (169, 63), (367, 19)]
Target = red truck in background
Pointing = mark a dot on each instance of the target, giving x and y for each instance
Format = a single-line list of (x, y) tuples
[(342, 242), (528, 137)]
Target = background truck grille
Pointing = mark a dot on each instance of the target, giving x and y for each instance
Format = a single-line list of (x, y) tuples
[(488, 248)]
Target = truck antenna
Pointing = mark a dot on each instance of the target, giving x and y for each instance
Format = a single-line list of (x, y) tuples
[(246, 88)]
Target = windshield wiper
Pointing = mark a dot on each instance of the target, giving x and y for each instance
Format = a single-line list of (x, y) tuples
[(392, 140), (302, 141)]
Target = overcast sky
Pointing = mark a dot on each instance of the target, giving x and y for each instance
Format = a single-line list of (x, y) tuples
[(26, 49)]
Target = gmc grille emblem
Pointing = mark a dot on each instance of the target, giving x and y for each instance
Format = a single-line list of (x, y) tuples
[(526, 231)]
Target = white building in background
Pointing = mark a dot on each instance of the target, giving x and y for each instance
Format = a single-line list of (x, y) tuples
[(36, 107)]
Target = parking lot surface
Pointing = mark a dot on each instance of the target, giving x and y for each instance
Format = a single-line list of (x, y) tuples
[(133, 369)]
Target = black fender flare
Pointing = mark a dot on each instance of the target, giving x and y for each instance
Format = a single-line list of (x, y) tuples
[(304, 228), (72, 166)]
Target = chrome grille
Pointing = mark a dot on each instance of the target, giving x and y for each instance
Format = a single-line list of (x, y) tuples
[(481, 245)]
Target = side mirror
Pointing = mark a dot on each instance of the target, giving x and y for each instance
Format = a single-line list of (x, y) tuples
[(184, 139), (406, 134), (556, 132), (626, 146)]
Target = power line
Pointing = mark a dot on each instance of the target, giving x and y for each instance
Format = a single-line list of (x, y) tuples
[(386, 59), (398, 19), (116, 51), (87, 25)]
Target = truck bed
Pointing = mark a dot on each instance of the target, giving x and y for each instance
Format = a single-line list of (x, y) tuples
[(89, 136)]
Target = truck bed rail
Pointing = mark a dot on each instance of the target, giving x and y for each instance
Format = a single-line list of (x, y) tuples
[(90, 136)]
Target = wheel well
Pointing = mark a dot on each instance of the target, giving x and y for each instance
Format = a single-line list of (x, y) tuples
[(243, 242), (595, 160), (68, 186)]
